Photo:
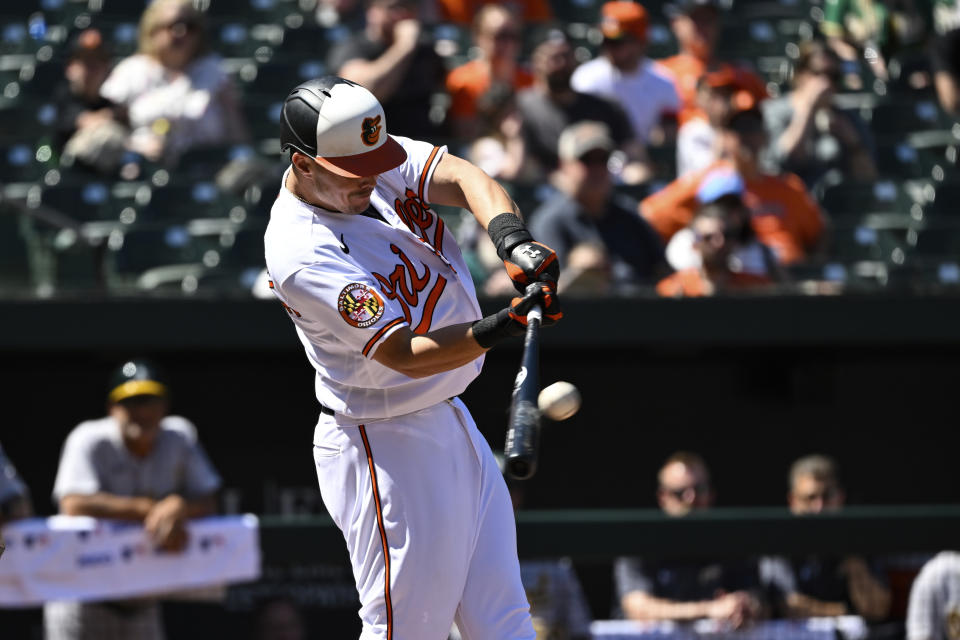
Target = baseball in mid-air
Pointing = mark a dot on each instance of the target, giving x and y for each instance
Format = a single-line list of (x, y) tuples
[(559, 400)]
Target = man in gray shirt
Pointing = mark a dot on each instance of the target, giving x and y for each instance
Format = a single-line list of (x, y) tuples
[(139, 464)]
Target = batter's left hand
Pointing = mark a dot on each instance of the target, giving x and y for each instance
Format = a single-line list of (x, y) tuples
[(537, 293), (532, 262)]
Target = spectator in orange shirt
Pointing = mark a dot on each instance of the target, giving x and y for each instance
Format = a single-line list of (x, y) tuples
[(783, 215), (725, 187), (497, 33), (717, 239), (696, 25), (719, 93), (463, 11)]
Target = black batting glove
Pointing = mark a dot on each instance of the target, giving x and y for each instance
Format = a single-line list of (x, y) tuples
[(532, 262), (526, 260), (536, 293), (512, 321)]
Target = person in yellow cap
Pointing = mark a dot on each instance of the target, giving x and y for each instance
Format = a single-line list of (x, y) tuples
[(139, 464)]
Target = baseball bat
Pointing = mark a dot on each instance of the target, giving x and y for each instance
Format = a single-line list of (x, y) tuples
[(523, 430)]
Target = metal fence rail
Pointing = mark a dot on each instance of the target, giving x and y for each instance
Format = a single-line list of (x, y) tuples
[(604, 534)]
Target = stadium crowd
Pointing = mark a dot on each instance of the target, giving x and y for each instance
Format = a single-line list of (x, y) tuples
[(820, 140)]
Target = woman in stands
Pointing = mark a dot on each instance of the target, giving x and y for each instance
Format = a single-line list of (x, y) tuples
[(175, 94)]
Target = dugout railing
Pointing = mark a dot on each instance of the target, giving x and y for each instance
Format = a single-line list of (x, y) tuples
[(602, 534)]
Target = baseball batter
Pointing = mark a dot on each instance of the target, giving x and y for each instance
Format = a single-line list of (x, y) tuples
[(386, 311)]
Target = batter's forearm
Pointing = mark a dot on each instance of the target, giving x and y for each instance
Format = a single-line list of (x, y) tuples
[(419, 356), (458, 183), (106, 505)]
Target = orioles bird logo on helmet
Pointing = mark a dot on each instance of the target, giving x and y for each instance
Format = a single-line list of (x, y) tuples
[(370, 131)]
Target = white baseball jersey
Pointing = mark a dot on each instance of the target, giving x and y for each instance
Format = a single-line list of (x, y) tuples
[(417, 494), (349, 281), (934, 610)]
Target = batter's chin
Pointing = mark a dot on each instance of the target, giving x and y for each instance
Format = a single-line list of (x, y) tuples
[(359, 204)]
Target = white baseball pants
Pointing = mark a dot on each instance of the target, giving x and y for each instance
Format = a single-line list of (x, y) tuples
[(428, 523)]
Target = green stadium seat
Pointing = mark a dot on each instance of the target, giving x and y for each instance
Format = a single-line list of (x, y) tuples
[(203, 163), (587, 11), (850, 199), (749, 39), (18, 162), (262, 114), (126, 10), (235, 39), (136, 250), (15, 258), (898, 117), (80, 202), (13, 11), (906, 160), (945, 200), (29, 119), (938, 242), (185, 201), (250, 11), (245, 250), (310, 41), (879, 238), (78, 258), (772, 9), (275, 78), (923, 278), (121, 34)]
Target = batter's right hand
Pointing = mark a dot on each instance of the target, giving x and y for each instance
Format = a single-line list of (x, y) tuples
[(537, 293)]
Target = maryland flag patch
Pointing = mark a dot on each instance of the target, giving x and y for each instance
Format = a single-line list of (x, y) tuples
[(360, 305)]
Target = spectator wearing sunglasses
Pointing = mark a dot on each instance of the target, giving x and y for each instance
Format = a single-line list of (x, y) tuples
[(173, 91), (497, 34), (601, 241), (727, 257), (809, 135), (817, 585), (683, 590)]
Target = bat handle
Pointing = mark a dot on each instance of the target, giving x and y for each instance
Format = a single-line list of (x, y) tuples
[(535, 313)]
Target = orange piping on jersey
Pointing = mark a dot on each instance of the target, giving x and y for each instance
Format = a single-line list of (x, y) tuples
[(430, 305), (379, 334), (383, 532), (423, 174), (438, 236)]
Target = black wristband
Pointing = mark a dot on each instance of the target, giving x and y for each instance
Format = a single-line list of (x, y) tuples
[(494, 328), (507, 231)]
